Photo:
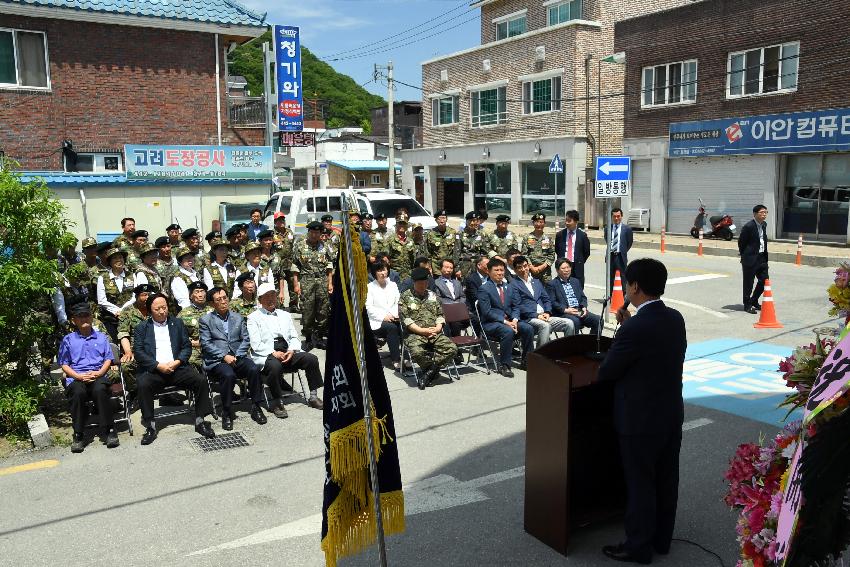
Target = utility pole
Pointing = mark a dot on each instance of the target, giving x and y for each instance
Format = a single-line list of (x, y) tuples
[(391, 126)]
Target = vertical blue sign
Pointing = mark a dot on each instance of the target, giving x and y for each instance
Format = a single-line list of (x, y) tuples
[(287, 50)]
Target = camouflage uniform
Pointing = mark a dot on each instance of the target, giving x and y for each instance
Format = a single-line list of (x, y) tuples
[(127, 323), (470, 245), (154, 279), (235, 256), (425, 312), (312, 264), (133, 260), (401, 255), (122, 243), (243, 306), (420, 248), (191, 317), (441, 245), (166, 271), (116, 297), (540, 249), (219, 281), (284, 243), (500, 244), (379, 240), (202, 260)]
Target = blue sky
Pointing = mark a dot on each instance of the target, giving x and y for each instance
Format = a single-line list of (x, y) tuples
[(342, 29)]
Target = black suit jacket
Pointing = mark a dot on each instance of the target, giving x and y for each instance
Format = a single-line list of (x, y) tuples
[(626, 239), (144, 343), (471, 285), (748, 243), (646, 361), (559, 297), (581, 251)]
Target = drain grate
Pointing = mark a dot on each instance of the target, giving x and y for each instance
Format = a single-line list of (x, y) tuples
[(219, 442)]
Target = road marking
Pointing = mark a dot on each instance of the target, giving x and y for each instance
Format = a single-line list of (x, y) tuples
[(29, 467), (711, 312), (697, 278), (431, 494), (740, 396)]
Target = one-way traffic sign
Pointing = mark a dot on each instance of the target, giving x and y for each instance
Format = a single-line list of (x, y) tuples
[(612, 176)]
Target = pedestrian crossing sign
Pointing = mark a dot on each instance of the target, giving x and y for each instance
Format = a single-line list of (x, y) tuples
[(556, 165)]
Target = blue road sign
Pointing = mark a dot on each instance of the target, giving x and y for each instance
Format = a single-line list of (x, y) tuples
[(613, 168), (556, 165)]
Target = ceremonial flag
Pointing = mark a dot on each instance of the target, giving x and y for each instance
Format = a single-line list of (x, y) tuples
[(348, 513)]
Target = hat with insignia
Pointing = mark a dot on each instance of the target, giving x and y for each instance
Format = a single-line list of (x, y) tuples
[(147, 248), (471, 215), (380, 216), (183, 251), (244, 277), (368, 216), (217, 243), (213, 234), (189, 233), (314, 225), (538, 216), (197, 285), (402, 217), (80, 309), (172, 226), (161, 241), (415, 226), (143, 288), (252, 246), (233, 230), (441, 213), (89, 243), (503, 218), (327, 218), (267, 233), (103, 247), (113, 251), (138, 233), (419, 274)]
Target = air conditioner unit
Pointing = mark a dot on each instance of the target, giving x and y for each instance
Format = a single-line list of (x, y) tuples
[(540, 53), (638, 218), (485, 65), (444, 75)]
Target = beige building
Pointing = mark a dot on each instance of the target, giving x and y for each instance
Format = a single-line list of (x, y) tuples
[(495, 115)]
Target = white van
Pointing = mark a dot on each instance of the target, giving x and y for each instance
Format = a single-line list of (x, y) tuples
[(305, 205)]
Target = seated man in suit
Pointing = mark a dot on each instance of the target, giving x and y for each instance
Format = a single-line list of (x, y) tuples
[(162, 349), (495, 304), (569, 300), (449, 290), (534, 306), (224, 345)]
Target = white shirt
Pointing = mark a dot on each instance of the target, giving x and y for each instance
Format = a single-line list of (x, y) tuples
[(531, 291), (380, 302), (179, 290), (264, 326), (450, 286), (101, 293), (762, 243), (164, 354), (615, 229), (644, 304)]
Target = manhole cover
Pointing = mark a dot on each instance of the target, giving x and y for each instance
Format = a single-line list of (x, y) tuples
[(219, 442)]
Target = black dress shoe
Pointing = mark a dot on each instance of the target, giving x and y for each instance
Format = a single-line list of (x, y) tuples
[(258, 415), (205, 429), (757, 306), (112, 440), (506, 371), (77, 445), (751, 309), (523, 364), (226, 421), (620, 553), (149, 436), (420, 380)]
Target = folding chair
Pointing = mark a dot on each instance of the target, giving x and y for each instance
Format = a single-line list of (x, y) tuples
[(459, 313), (420, 380), (119, 391), (487, 340), (243, 389), (288, 394)]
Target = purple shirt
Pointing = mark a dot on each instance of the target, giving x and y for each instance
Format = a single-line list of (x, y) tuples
[(84, 354)]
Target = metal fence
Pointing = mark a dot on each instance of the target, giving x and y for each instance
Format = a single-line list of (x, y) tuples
[(246, 111)]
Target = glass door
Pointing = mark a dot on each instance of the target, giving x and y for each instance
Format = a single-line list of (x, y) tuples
[(817, 196)]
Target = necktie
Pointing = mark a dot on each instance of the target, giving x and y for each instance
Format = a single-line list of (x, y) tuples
[(615, 240), (570, 246), (450, 287), (501, 294)]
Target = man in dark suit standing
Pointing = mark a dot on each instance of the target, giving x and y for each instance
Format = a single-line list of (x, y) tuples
[(646, 361), (471, 284), (618, 245), (568, 298), (573, 244), (752, 246), (224, 345), (162, 349)]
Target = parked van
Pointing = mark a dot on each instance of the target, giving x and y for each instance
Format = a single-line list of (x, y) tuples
[(235, 213), (302, 206)]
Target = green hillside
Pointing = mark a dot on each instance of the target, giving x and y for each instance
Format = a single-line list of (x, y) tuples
[(347, 103)]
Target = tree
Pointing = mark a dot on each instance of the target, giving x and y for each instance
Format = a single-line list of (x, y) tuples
[(32, 221)]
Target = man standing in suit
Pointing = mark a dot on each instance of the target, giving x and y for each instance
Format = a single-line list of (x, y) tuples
[(648, 411), (573, 244), (752, 246), (618, 245), (471, 284), (162, 349), (495, 304), (225, 344), (534, 306), (568, 298)]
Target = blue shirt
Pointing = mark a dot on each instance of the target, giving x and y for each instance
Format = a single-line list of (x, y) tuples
[(255, 229), (84, 354)]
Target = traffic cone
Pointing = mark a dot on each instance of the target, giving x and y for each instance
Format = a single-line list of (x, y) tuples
[(663, 240), (617, 299), (799, 260), (767, 320), (699, 248)]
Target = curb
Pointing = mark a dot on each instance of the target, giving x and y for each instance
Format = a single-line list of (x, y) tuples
[(40, 432)]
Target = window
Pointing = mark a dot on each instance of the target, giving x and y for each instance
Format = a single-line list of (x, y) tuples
[(376, 179), (23, 59), (444, 111), (764, 70), (564, 11), (360, 183), (541, 96), (674, 83), (324, 204), (489, 107), (97, 163), (510, 26)]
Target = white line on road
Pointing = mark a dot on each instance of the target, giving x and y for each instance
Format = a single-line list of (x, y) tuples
[(697, 278), (711, 312), (694, 423)]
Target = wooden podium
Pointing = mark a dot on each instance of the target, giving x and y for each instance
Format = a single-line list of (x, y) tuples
[(573, 473)]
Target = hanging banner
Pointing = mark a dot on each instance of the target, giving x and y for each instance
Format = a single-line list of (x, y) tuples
[(198, 162), (287, 51), (297, 139)]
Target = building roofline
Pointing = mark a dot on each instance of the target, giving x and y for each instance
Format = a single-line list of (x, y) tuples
[(660, 12)]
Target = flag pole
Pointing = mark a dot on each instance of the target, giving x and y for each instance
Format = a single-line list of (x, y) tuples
[(367, 397)]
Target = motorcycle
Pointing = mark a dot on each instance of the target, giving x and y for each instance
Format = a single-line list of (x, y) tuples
[(722, 226)]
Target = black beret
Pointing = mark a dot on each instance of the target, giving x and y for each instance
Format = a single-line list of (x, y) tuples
[(326, 230), (144, 288), (138, 233), (441, 213), (538, 216), (380, 216), (197, 285), (314, 225), (419, 274), (326, 218), (103, 247), (172, 226), (233, 230), (503, 218), (80, 309), (189, 233), (161, 241), (472, 215), (213, 234), (267, 233), (243, 277), (368, 216)]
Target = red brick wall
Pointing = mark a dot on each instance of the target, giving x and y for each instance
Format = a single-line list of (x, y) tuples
[(115, 85), (709, 31)]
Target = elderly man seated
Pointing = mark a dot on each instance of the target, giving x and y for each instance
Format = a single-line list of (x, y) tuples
[(275, 347), (85, 357)]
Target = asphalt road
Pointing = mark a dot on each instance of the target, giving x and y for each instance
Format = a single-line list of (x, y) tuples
[(461, 447)]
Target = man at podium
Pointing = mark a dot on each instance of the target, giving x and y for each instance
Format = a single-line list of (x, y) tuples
[(645, 360)]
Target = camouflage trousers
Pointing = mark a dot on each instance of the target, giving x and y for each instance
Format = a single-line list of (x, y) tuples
[(315, 306), (428, 352)]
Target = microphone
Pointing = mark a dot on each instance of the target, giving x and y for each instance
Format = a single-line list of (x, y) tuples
[(626, 304)]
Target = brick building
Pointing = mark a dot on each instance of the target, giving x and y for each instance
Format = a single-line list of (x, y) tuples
[(495, 115), (407, 123), (728, 102)]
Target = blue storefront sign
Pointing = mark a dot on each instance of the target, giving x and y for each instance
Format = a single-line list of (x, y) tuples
[(287, 51), (795, 132), (198, 162)]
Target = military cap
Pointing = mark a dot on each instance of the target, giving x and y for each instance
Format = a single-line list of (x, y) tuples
[(419, 274), (189, 233), (138, 233), (380, 216), (143, 288), (89, 243), (402, 217), (326, 230), (232, 231), (80, 309), (314, 225), (251, 246), (173, 226), (503, 218), (197, 285), (267, 233), (441, 213), (161, 241), (415, 226), (103, 247), (113, 251), (471, 215), (243, 277), (367, 216), (213, 234), (538, 216), (217, 243), (147, 248), (183, 251), (326, 218)]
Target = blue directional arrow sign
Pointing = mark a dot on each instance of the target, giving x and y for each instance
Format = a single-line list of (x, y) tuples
[(612, 176), (556, 165)]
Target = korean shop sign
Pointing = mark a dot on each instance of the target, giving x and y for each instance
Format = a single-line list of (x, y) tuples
[(287, 51), (198, 162)]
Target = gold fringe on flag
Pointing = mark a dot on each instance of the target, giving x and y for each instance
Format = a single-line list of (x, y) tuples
[(351, 526)]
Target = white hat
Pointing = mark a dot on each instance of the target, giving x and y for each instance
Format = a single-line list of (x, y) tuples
[(265, 288)]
